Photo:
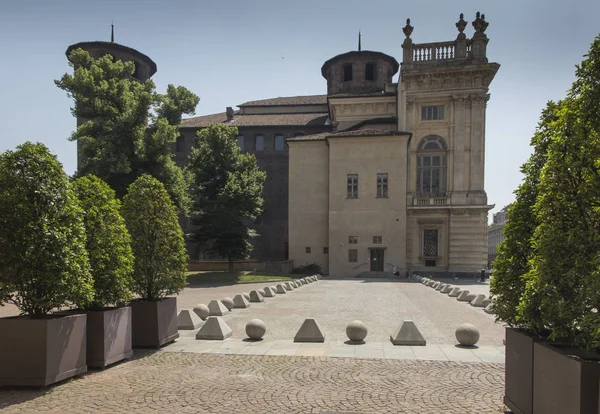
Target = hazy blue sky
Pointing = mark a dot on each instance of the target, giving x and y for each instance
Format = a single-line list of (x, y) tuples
[(229, 52)]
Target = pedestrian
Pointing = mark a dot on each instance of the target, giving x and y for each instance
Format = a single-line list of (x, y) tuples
[(482, 275)]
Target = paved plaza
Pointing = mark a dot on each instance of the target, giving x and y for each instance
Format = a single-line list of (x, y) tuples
[(278, 375)]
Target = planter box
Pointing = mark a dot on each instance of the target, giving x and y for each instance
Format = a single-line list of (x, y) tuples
[(565, 380), (108, 336), (40, 352), (518, 371), (154, 323)]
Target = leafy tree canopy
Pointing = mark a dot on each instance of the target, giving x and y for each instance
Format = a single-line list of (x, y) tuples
[(157, 239), (127, 127), (227, 192), (108, 242), (549, 262), (43, 260)]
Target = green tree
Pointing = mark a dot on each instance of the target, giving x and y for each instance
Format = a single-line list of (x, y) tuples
[(227, 188), (128, 127), (43, 261), (108, 242), (507, 284), (157, 239), (563, 284)]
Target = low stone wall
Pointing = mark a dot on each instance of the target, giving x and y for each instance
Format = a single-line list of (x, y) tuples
[(282, 267)]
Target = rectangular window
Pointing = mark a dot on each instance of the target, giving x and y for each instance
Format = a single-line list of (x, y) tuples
[(352, 239), (430, 243), (259, 143), (352, 185), (432, 113), (307, 249), (279, 142), (180, 144), (382, 185), (347, 72), (325, 250), (240, 142), (353, 255), (377, 239)]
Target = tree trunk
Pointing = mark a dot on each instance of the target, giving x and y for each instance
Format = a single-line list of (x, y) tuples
[(230, 264)]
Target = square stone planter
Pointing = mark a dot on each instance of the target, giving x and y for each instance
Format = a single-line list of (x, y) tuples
[(154, 323), (518, 371), (565, 380), (108, 336), (40, 352)]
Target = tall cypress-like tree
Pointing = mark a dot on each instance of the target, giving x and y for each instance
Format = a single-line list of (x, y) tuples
[(128, 127), (227, 192)]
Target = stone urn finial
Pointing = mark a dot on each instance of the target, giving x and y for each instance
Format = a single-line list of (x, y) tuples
[(408, 29), (461, 24), (480, 24)]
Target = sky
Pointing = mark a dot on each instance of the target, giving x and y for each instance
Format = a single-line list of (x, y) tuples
[(229, 52)]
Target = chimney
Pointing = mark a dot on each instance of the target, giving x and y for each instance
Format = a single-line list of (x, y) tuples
[(229, 112)]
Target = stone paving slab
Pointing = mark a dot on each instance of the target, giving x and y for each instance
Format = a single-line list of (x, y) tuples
[(382, 304), (382, 350), (189, 383)]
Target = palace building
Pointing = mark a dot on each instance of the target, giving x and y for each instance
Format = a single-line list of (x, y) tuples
[(375, 174)]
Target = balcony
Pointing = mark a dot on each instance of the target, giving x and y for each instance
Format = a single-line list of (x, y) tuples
[(423, 201)]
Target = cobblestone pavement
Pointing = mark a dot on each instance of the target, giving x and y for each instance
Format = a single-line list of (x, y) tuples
[(190, 383)]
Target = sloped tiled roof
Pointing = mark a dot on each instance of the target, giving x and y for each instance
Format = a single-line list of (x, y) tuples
[(354, 133), (301, 119), (362, 94), (289, 101)]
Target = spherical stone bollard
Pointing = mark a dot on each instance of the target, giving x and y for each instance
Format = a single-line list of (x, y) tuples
[(255, 329), (467, 334), (228, 302), (202, 311), (246, 295), (356, 331)]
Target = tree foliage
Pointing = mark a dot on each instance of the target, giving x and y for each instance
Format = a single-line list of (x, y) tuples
[(43, 261), (157, 239), (108, 242), (227, 188), (128, 127), (562, 278)]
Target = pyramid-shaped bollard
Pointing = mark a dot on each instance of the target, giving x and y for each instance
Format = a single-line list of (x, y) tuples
[(441, 286), (408, 334), (214, 328), (240, 302), (319, 277), (216, 308), (280, 289), (489, 308), (435, 285), (255, 297), (446, 289), (454, 292), (268, 292), (288, 286), (486, 302), (310, 331), (462, 296), (188, 320), (478, 301)]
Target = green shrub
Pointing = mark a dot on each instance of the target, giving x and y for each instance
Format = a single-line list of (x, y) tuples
[(43, 261), (157, 239), (309, 269), (108, 242)]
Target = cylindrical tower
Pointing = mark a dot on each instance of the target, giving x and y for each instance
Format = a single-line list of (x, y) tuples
[(358, 72)]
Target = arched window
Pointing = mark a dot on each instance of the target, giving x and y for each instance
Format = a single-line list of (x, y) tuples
[(370, 71), (431, 167), (347, 72)]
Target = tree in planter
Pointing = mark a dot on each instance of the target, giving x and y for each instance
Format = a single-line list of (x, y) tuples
[(563, 284), (128, 127), (108, 243), (43, 261), (226, 190), (157, 239), (507, 284)]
